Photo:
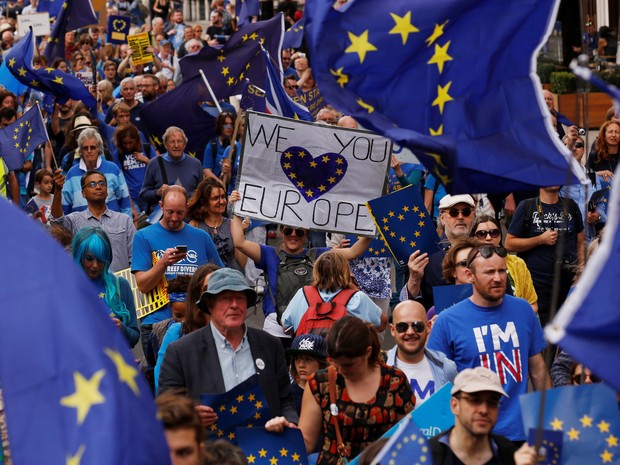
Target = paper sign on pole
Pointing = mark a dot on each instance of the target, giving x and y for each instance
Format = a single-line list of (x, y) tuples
[(311, 176), (40, 23), (139, 43)]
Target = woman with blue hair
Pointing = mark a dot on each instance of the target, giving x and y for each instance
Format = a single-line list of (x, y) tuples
[(93, 252)]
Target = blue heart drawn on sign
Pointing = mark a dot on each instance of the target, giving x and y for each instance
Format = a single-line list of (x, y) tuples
[(312, 176)]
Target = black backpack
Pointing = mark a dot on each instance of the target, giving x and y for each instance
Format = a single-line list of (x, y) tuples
[(293, 274)]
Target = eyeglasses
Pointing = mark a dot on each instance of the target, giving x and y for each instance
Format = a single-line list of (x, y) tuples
[(578, 145), (482, 234), (298, 232), (89, 148), (79, 58), (485, 252), (477, 401), (593, 378), (462, 263), (292, 87), (417, 326), (454, 212), (93, 184)]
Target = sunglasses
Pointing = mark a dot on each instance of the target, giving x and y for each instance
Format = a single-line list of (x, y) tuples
[(482, 234), (485, 252), (454, 212), (593, 378), (578, 145), (93, 184), (292, 87), (417, 326), (290, 231)]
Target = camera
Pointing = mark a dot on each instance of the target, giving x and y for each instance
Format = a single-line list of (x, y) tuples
[(582, 132)]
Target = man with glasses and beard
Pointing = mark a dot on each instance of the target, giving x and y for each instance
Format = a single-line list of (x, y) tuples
[(457, 213), (496, 331), (427, 370)]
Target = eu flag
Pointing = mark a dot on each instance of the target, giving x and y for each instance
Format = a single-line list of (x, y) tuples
[(588, 324), (244, 406), (407, 445), (452, 80), (240, 58), (295, 35), (74, 14), (72, 390), (264, 448), (253, 98), (248, 9), (53, 7), (181, 107), (586, 415), (49, 80), (278, 102), (18, 140), (377, 247), (404, 223)]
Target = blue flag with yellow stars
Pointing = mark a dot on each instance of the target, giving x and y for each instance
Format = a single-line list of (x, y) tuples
[(550, 448), (48, 80), (74, 14), (404, 223), (253, 98), (244, 406), (248, 9), (452, 80), (18, 140), (590, 426), (406, 446), (377, 247), (240, 58), (72, 390), (181, 107), (295, 35), (264, 448)]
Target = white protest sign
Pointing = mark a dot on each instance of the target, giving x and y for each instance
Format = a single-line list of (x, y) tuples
[(311, 176), (40, 23), (404, 155)]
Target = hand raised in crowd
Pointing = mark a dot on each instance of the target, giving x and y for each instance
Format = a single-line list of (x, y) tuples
[(234, 197), (548, 237), (525, 455), (343, 244), (416, 264), (396, 166), (207, 415), (225, 167), (59, 180)]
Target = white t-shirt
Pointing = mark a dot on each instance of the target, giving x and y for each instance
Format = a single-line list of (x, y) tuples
[(420, 377)]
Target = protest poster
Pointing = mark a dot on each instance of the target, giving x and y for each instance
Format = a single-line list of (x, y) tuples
[(118, 29), (404, 155), (40, 23), (434, 415), (312, 100), (138, 44), (311, 176), (88, 79)]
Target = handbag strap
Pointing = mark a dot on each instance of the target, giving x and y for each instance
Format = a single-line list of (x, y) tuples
[(333, 410)]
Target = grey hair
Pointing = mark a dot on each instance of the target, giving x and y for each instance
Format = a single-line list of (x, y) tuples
[(91, 133)]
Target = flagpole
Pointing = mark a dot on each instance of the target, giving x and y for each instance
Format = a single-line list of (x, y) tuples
[(231, 153), (206, 81)]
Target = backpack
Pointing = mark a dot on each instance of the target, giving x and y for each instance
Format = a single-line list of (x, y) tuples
[(321, 315), (293, 274)]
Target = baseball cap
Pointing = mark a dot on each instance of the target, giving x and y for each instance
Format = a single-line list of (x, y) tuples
[(448, 201), (164, 42), (310, 344), (477, 380)]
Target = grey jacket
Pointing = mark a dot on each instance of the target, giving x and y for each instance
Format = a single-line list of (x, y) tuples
[(442, 368)]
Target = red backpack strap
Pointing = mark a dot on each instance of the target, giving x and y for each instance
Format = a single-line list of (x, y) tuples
[(344, 296), (312, 296)]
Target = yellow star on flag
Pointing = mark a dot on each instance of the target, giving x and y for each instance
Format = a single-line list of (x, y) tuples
[(392, 234), (12, 62), (607, 456), (292, 175), (416, 234), (287, 166), (391, 214), (233, 409), (403, 26), (586, 421), (299, 184), (221, 58), (556, 424), (440, 56), (262, 453), (573, 434), (86, 394), (77, 458), (309, 193), (325, 159), (126, 373), (365, 106), (230, 81), (416, 209), (442, 96), (603, 426), (339, 171), (437, 33), (273, 461), (240, 398), (360, 45), (421, 223), (406, 208), (331, 180), (222, 408), (412, 244), (102, 295), (322, 188), (385, 220), (313, 164), (401, 217), (402, 239), (257, 415), (22, 71), (225, 71), (436, 132), (251, 458), (287, 155), (58, 80), (220, 433), (422, 215), (295, 457), (339, 161), (612, 441), (231, 436), (251, 398), (283, 452), (254, 36), (342, 78), (34, 83), (244, 37)]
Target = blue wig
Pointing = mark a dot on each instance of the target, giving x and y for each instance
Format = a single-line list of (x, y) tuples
[(94, 241)]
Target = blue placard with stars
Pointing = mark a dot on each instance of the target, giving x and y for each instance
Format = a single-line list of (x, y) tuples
[(404, 223), (264, 448), (244, 406), (590, 427), (406, 446), (118, 29), (377, 247), (18, 140), (550, 450)]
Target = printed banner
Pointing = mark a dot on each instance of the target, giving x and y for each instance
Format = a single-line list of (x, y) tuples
[(139, 43), (118, 29), (311, 176), (312, 100), (88, 80), (149, 302), (40, 23)]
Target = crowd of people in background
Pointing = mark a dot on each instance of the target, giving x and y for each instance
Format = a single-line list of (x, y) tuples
[(116, 202)]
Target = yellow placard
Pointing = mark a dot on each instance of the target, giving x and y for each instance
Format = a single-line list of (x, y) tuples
[(138, 44), (149, 302)]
